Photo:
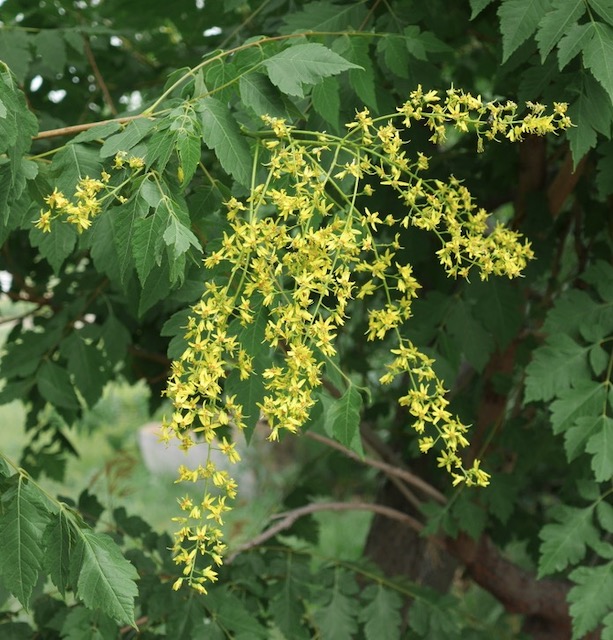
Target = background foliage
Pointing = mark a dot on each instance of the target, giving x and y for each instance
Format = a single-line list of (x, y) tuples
[(528, 362)]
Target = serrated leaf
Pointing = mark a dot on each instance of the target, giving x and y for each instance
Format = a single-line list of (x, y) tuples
[(179, 237), (337, 619), (304, 64), (104, 579), (58, 541), (604, 8), (86, 365), (327, 102), (573, 309), (600, 445), (55, 386), (98, 132), (475, 343), (382, 614), (221, 133), (499, 309), (587, 398), (71, 164), (324, 16), (188, 148), (258, 93), (477, 6), (518, 21), (558, 365), (147, 243), (343, 419), (565, 542), (57, 245), (22, 522), (286, 605), (395, 54), (598, 56), (575, 39), (605, 515), (556, 23), (590, 598), (110, 241), (132, 134), (362, 81)]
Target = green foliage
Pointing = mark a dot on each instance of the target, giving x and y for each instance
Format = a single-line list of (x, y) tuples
[(168, 121)]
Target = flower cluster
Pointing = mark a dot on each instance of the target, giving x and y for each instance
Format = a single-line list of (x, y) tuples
[(86, 202), (303, 247)]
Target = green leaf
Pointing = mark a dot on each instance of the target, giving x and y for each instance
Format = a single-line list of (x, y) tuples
[(565, 542), (558, 365), (574, 41), (105, 580), (71, 164), (556, 23), (304, 64), (188, 148), (147, 243), (327, 102), (325, 16), (337, 619), (221, 133), (86, 365), (499, 309), (477, 6), (573, 309), (382, 613), (586, 398), (286, 604), (342, 420), (58, 541), (601, 446), (395, 54), (132, 134), (518, 21), (179, 237), (362, 81), (258, 93), (231, 613), (15, 51), (51, 49), (605, 515), (598, 56), (604, 8), (55, 386), (98, 132), (57, 245), (590, 598), (22, 522), (476, 343)]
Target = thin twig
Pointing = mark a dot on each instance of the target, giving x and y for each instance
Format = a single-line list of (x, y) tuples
[(290, 517), (99, 79), (78, 128), (388, 469)]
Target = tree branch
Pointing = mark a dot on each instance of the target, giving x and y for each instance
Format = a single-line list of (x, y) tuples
[(78, 128), (99, 79), (290, 517), (388, 469)]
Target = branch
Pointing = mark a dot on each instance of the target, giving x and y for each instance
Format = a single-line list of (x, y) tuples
[(99, 79), (388, 469), (78, 128), (290, 517)]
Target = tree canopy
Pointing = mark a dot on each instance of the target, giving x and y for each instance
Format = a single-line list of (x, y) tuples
[(381, 232)]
